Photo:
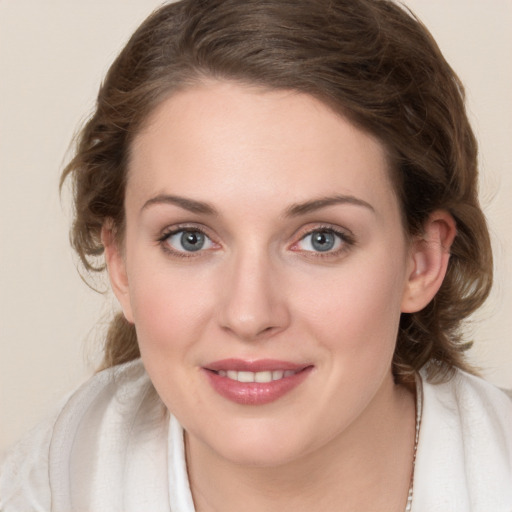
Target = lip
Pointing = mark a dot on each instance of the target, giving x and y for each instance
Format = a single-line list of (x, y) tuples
[(257, 365), (255, 393)]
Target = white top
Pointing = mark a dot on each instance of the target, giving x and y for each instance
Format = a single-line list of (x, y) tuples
[(114, 447)]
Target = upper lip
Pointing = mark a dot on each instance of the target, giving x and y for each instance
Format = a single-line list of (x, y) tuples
[(258, 365)]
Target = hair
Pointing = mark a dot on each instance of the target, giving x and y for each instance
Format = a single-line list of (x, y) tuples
[(371, 61)]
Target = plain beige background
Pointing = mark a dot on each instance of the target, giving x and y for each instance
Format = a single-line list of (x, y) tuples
[(53, 54)]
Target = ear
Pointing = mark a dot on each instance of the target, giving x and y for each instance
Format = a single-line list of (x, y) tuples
[(429, 256), (116, 266)]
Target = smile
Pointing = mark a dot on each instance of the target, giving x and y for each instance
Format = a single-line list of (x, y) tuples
[(255, 382), (262, 377)]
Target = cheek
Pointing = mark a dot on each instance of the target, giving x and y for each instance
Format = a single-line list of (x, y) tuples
[(170, 308), (170, 315), (356, 308)]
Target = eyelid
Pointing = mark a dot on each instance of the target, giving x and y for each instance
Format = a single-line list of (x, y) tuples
[(176, 228), (346, 236), (169, 231), (311, 227)]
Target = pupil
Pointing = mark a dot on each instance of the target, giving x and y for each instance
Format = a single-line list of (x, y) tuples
[(192, 240), (323, 241)]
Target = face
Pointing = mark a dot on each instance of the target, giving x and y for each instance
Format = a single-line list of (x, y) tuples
[(265, 268)]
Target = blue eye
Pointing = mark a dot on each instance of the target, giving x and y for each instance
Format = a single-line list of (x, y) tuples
[(321, 240), (188, 240)]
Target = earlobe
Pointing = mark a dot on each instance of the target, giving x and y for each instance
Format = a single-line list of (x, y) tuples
[(429, 257), (116, 267)]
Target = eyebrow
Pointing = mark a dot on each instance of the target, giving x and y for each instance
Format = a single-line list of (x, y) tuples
[(295, 210), (298, 209), (187, 204)]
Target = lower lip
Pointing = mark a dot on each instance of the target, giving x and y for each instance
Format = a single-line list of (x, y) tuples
[(255, 393)]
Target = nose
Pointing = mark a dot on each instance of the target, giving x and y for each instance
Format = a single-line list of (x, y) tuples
[(254, 305)]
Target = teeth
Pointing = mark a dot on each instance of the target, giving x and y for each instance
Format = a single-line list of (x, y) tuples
[(246, 377), (262, 377)]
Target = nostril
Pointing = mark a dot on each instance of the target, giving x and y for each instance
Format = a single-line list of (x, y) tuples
[(248, 333)]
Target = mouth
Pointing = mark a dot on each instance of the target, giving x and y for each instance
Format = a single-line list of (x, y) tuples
[(255, 382), (261, 377)]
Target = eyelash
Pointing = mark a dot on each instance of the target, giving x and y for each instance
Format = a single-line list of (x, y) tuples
[(162, 240), (346, 238), (347, 241)]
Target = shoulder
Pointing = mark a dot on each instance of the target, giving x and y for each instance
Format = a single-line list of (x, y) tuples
[(24, 472), (464, 458), (103, 410), (462, 387), (476, 403)]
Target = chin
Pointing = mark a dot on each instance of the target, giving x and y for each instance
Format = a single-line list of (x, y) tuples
[(260, 444), (258, 455)]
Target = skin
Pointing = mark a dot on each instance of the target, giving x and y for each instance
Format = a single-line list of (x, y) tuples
[(343, 439)]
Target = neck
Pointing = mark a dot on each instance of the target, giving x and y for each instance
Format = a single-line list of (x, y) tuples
[(366, 467)]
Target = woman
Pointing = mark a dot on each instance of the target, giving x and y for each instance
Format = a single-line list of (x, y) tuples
[(284, 195)]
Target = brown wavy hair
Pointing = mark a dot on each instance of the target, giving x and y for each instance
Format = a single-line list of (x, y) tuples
[(370, 60)]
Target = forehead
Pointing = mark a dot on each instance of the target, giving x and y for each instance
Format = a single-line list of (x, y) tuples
[(220, 136)]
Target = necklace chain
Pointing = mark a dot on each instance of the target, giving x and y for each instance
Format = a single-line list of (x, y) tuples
[(419, 408)]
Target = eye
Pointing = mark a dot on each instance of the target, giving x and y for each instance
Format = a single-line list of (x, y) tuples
[(321, 240), (187, 240)]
